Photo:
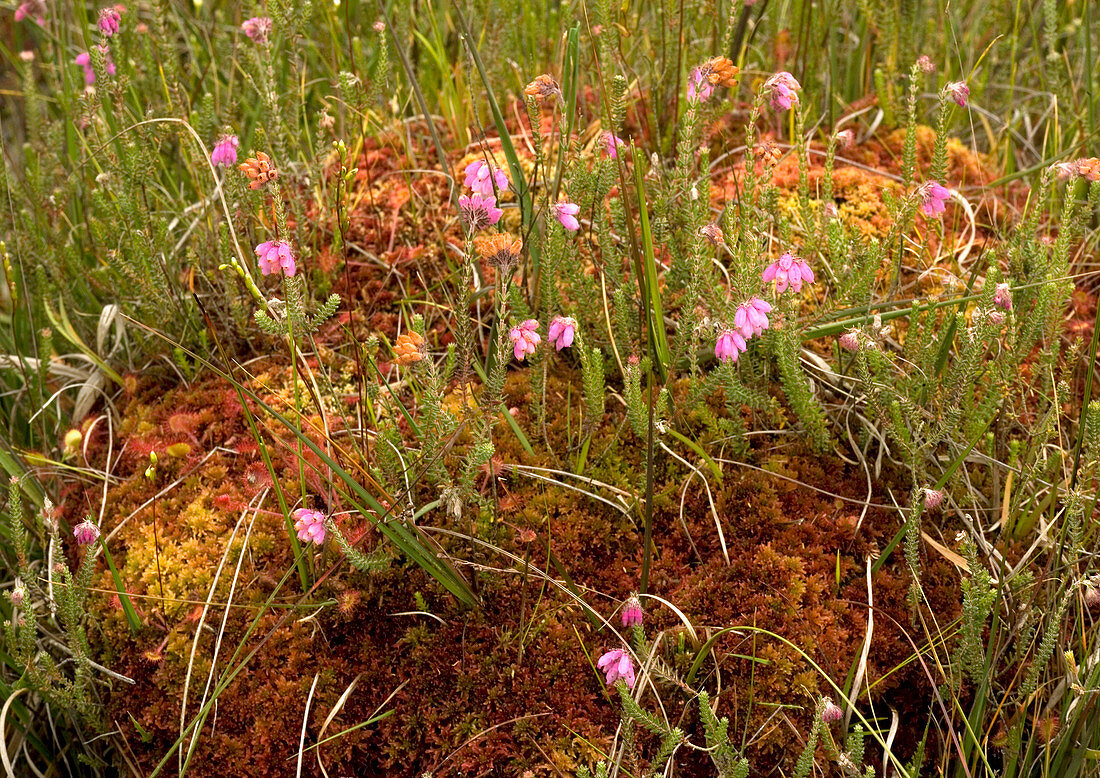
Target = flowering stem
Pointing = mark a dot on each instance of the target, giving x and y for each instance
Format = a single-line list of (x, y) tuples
[(647, 550), (297, 403)]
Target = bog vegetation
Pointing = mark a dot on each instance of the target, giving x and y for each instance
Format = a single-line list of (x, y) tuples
[(694, 387)]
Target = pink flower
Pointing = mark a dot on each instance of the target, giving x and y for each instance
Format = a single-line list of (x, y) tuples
[(612, 143), (932, 499), (225, 151), (728, 345), (566, 213), (275, 257), (525, 338), (561, 332), (752, 317), (783, 89), (86, 532), (616, 665), (632, 612), (31, 9), (958, 91), (110, 63), (1002, 297), (258, 28), (699, 88), (109, 19), (479, 211), (310, 526), (480, 177), (924, 62), (788, 270), (933, 196), (830, 711), (84, 59)]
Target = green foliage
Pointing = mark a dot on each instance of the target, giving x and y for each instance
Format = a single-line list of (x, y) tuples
[(726, 759), (979, 596)]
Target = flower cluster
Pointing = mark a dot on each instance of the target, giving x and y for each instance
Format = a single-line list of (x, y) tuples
[(310, 526), (713, 233), (853, 340), (479, 211), (616, 664), (525, 338), (31, 9), (957, 91), (1087, 168), (729, 345), (933, 198), (612, 143), (788, 270), (109, 20), (276, 257), (562, 331), (566, 214), (409, 348), (259, 170), (481, 176), (501, 250), (750, 320), (830, 711), (768, 152), (718, 71), (258, 28), (225, 151), (782, 89), (543, 89), (632, 612), (86, 532)]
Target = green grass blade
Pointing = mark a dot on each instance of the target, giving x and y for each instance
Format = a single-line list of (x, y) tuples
[(650, 290)]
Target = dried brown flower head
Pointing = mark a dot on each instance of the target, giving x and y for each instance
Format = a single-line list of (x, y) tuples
[(768, 153), (719, 71), (259, 169), (1089, 168), (713, 233), (501, 250), (409, 348), (544, 89)]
